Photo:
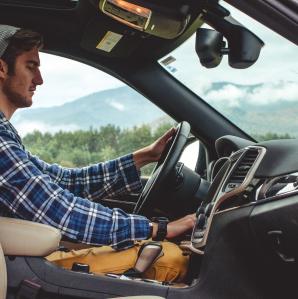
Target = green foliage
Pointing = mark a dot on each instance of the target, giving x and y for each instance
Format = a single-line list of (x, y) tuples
[(81, 148), (272, 136)]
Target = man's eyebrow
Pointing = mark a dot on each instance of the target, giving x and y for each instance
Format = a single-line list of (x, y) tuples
[(36, 63)]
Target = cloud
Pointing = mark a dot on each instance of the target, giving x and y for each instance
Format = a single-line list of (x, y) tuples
[(230, 94), (24, 128), (274, 92), (117, 105), (265, 94)]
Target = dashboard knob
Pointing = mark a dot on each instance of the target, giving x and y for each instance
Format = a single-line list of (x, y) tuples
[(199, 234), (208, 209), (201, 210), (201, 221)]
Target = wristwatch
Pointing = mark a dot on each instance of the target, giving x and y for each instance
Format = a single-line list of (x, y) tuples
[(162, 223)]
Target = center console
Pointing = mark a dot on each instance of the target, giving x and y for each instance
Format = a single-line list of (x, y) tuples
[(229, 190)]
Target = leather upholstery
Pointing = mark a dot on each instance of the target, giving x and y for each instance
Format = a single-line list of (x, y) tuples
[(3, 275), (26, 238)]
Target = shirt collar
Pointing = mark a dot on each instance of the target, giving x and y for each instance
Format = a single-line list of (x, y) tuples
[(9, 126)]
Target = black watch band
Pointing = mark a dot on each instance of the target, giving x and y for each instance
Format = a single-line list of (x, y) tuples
[(162, 223)]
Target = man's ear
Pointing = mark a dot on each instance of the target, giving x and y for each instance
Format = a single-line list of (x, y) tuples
[(3, 69)]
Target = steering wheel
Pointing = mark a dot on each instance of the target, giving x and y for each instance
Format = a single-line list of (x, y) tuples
[(164, 168)]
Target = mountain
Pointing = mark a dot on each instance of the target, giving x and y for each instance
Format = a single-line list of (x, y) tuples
[(257, 109), (121, 106), (260, 108)]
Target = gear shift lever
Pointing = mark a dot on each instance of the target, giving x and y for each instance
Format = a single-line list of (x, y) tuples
[(148, 253)]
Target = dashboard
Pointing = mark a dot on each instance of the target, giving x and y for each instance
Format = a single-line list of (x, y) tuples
[(246, 174)]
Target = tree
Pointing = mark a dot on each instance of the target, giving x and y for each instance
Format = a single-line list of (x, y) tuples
[(81, 148)]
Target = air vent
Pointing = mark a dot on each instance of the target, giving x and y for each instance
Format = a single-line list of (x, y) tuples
[(241, 170)]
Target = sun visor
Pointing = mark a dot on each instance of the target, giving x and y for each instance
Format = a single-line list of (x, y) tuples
[(108, 39)]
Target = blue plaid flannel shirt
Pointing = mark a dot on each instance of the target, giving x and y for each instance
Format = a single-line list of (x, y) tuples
[(63, 198)]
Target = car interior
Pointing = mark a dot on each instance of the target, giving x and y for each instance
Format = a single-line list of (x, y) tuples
[(244, 192)]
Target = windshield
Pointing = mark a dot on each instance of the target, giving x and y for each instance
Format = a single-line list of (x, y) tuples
[(262, 99)]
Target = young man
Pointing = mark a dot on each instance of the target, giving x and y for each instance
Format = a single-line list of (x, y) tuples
[(34, 190)]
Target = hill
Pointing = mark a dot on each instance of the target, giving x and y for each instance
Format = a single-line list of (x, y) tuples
[(257, 109)]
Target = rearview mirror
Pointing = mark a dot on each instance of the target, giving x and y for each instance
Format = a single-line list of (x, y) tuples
[(209, 45), (243, 49)]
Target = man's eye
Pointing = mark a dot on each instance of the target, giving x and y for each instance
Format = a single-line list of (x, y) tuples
[(31, 67)]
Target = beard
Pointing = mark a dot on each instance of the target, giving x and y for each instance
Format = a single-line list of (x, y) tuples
[(16, 98)]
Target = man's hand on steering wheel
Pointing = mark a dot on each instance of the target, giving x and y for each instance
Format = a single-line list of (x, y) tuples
[(166, 150), (152, 152)]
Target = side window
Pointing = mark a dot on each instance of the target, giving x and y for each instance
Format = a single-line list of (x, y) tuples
[(190, 155), (81, 115)]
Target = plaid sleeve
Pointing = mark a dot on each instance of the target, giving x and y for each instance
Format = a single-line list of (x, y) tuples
[(97, 181), (32, 195)]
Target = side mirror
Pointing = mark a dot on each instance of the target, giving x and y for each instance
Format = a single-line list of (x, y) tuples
[(243, 49)]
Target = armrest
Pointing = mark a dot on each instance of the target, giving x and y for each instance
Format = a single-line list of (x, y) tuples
[(3, 275), (26, 238)]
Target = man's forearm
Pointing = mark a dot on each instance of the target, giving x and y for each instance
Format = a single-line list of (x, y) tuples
[(141, 157)]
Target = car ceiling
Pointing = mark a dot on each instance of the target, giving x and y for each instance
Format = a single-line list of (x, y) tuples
[(74, 28), (280, 16), (79, 29)]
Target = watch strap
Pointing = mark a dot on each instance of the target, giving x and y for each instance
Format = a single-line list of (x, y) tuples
[(162, 223)]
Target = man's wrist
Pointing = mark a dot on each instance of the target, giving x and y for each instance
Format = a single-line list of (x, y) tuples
[(152, 230), (161, 232), (141, 157)]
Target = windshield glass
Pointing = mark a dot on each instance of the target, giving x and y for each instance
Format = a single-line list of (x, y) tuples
[(262, 99)]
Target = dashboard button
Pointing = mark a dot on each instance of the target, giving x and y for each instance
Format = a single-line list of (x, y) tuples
[(201, 221), (208, 209)]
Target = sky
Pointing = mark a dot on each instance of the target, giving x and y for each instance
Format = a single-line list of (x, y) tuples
[(66, 80)]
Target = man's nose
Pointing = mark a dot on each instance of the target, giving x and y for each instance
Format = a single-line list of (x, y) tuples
[(38, 78)]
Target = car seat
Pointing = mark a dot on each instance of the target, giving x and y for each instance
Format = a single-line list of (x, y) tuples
[(3, 275), (26, 238)]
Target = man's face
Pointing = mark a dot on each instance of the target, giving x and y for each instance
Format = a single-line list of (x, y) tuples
[(19, 87)]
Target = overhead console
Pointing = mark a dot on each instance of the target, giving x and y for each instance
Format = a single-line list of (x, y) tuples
[(165, 22)]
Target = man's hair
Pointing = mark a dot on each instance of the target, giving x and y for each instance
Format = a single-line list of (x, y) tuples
[(22, 41)]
